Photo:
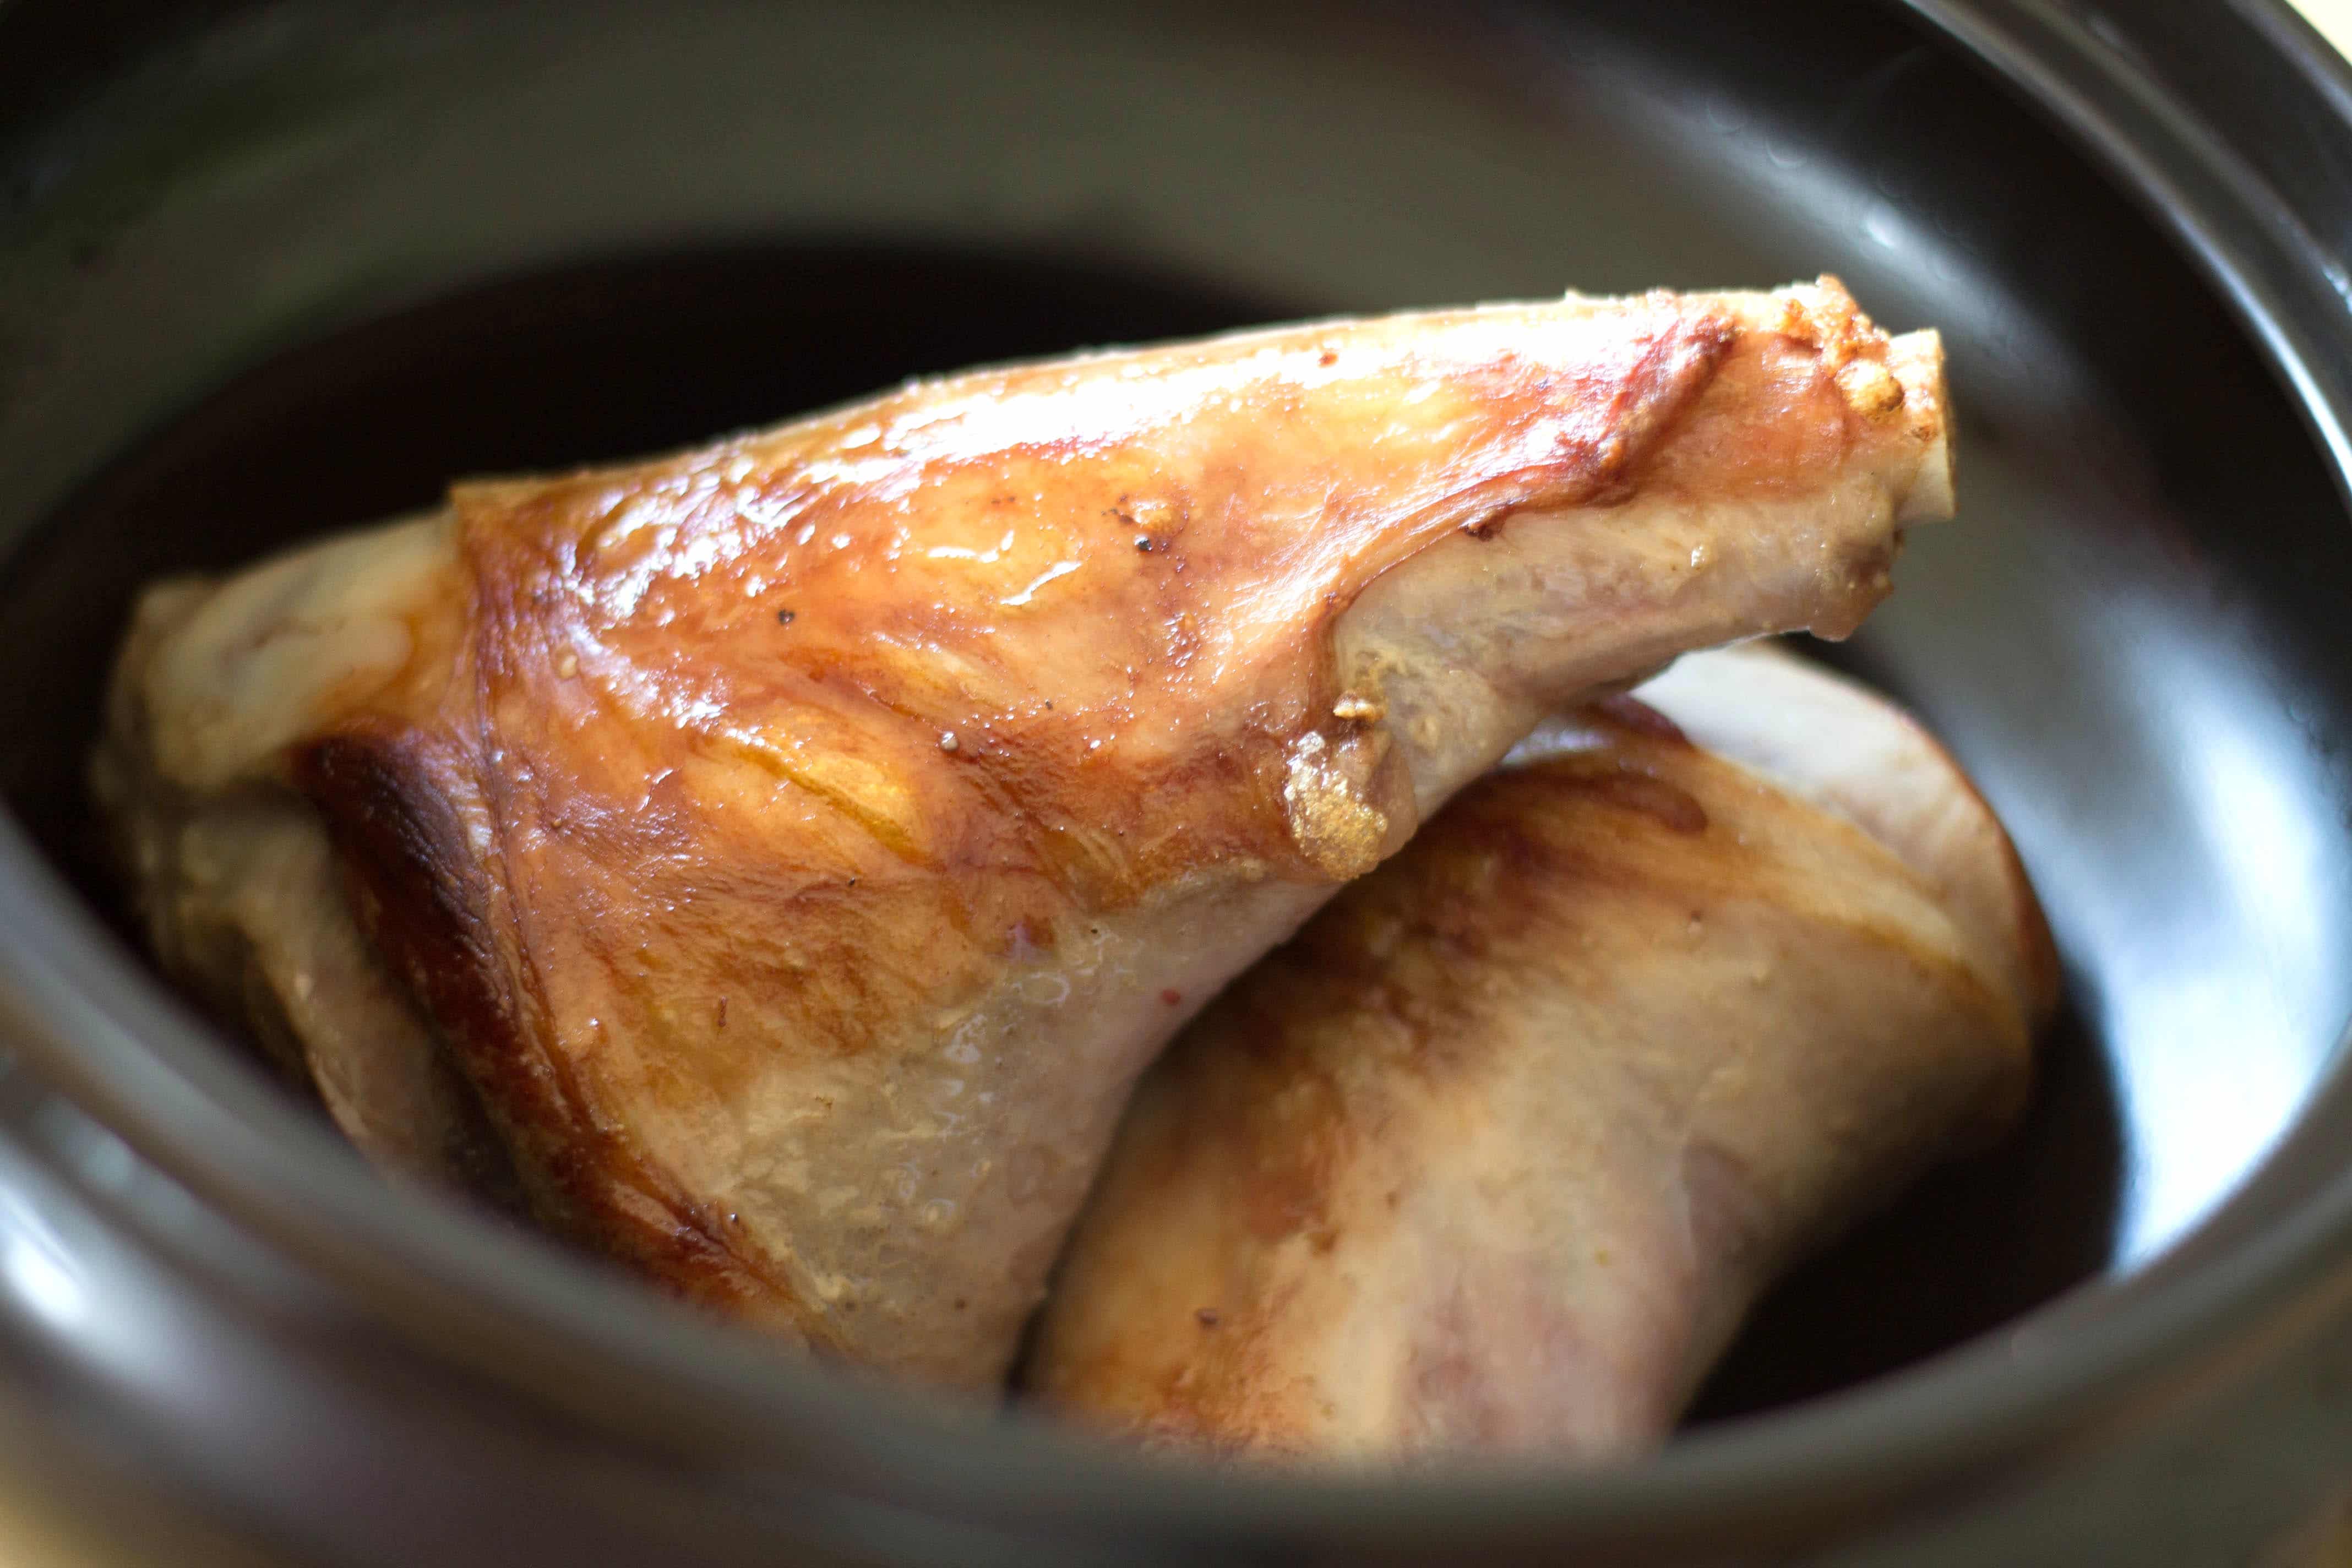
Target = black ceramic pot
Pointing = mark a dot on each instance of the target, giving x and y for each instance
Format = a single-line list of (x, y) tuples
[(269, 268)]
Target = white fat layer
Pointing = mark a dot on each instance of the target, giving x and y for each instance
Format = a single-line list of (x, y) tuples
[(271, 654)]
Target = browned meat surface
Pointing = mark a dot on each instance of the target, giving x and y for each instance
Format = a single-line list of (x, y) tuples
[(1495, 1154)]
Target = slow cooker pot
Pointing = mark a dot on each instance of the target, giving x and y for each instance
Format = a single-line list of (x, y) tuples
[(266, 268)]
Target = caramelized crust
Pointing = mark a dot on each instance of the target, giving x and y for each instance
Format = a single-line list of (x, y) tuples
[(801, 842)]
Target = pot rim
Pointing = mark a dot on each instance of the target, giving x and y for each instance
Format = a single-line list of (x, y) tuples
[(77, 1009)]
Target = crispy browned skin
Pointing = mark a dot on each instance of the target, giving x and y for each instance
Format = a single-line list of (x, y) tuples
[(801, 843), (1497, 1152)]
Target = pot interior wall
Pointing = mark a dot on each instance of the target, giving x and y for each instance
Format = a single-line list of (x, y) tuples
[(300, 267)]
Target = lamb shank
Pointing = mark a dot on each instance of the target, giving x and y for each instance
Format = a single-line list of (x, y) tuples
[(777, 861)]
